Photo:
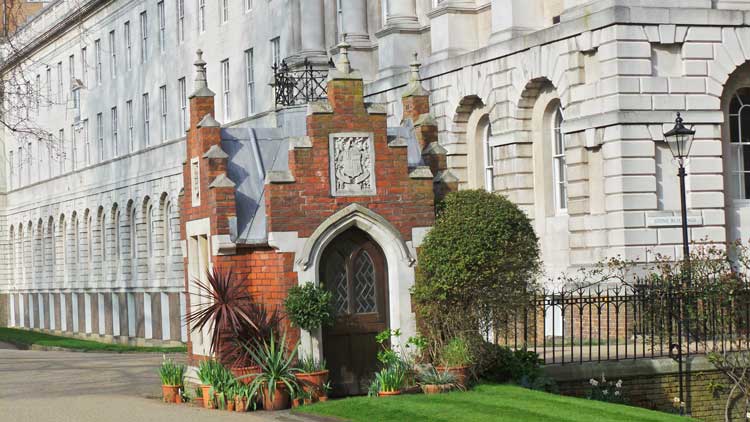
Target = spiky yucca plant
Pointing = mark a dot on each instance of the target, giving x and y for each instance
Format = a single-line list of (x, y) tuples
[(224, 307)]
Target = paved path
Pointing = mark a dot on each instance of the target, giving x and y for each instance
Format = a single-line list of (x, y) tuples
[(38, 386)]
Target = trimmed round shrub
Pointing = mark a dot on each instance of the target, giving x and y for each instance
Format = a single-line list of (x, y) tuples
[(477, 265), (309, 307)]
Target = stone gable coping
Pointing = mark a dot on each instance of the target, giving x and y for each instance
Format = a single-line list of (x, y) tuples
[(434, 148), (221, 181), (421, 172), (215, 152), (284, 176), (208, 121), (299, 142), (319, 107), (445, 176), (426, 119), (376, 108), (398, 142)]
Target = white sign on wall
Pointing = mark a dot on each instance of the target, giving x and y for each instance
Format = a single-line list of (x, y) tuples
[(673, 221)]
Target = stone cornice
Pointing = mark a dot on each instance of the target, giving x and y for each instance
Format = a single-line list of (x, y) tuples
[(614, 12), (55, 31)]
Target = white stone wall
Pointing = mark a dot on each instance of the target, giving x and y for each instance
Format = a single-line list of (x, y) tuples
[(620, 69), (620, 75)]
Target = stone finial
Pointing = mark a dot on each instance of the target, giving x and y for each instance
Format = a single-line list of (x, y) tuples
[(344, 65), (415, 85), (201, 82), (414, 66)]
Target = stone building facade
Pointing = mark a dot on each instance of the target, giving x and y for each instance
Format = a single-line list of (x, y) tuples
[(560, 105)]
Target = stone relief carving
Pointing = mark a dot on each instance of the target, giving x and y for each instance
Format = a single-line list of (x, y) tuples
[(352, 159)]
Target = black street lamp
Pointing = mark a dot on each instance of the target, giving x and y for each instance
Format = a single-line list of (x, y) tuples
[(680, 140)]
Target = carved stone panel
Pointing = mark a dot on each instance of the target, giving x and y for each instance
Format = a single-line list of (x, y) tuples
[(352, 157)]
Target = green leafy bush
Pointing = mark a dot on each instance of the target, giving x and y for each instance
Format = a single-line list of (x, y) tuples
[(477, 266), (309, 307), (502, 364), (456, 353)]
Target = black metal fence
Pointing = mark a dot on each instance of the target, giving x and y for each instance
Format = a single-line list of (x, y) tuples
[(628, 322), (297, 87)]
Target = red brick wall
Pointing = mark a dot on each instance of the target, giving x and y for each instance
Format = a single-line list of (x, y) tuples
[(303, 205)]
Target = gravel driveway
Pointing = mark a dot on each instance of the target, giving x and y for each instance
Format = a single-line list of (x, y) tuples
[(42, 386)]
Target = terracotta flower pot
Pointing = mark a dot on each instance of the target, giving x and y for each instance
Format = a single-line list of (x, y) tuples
[(296, 403), (323, 398), (207, 402), (389, 393), (280, 398), (460, 372), (312, 382), (240, 371), (435, 388), (171, 393), (239, 404), (230, 406)]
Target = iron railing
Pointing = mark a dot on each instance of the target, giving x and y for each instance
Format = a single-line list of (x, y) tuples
[(297, 87), (628, 322)]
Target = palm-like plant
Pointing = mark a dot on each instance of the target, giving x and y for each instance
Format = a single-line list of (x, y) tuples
[(265, 324), (276, 366), (224, 307)]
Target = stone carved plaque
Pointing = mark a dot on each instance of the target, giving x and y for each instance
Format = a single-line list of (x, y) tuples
[(352, 157)]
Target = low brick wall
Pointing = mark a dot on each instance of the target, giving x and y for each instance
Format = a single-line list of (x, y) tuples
[(653, 384)]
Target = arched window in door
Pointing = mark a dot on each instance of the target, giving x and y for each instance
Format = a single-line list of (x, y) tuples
[(739, 139)]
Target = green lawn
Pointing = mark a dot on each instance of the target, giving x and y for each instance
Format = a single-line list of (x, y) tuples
[(496, 403), (28, 338)]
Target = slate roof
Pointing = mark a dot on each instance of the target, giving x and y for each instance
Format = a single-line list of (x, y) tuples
[(254, 152)]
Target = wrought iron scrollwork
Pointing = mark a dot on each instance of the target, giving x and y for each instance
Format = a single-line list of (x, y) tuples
[(298, 87)]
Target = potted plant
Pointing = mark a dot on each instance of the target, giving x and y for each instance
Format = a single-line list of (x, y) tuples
[(264, 324), (207, 370), (309, 307), (172, 376), (390, 380), (433, 381), (312, 376), (327, 388), (242, 397), (455, 357), (222, 386), (276, 380), (223, 307)]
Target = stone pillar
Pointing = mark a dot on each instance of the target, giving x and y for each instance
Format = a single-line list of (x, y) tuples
[(355, 22), (400, 38), (452, 17), (402, 13), (511, 18), (312, 28)]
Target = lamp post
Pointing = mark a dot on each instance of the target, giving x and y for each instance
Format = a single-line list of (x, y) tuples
[(680, 140)]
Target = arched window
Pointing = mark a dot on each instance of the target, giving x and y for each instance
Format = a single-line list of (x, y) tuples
[(116, 235), (559, 168), (167, 229), (150, 229), (89, 242), (488, 158), (739, 138), (133, 235), (103, 235), (12, 248)]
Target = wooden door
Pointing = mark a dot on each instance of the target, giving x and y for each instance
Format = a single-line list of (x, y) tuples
[(353, 269)]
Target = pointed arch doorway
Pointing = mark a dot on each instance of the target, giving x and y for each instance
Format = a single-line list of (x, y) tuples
[(353, 268)]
